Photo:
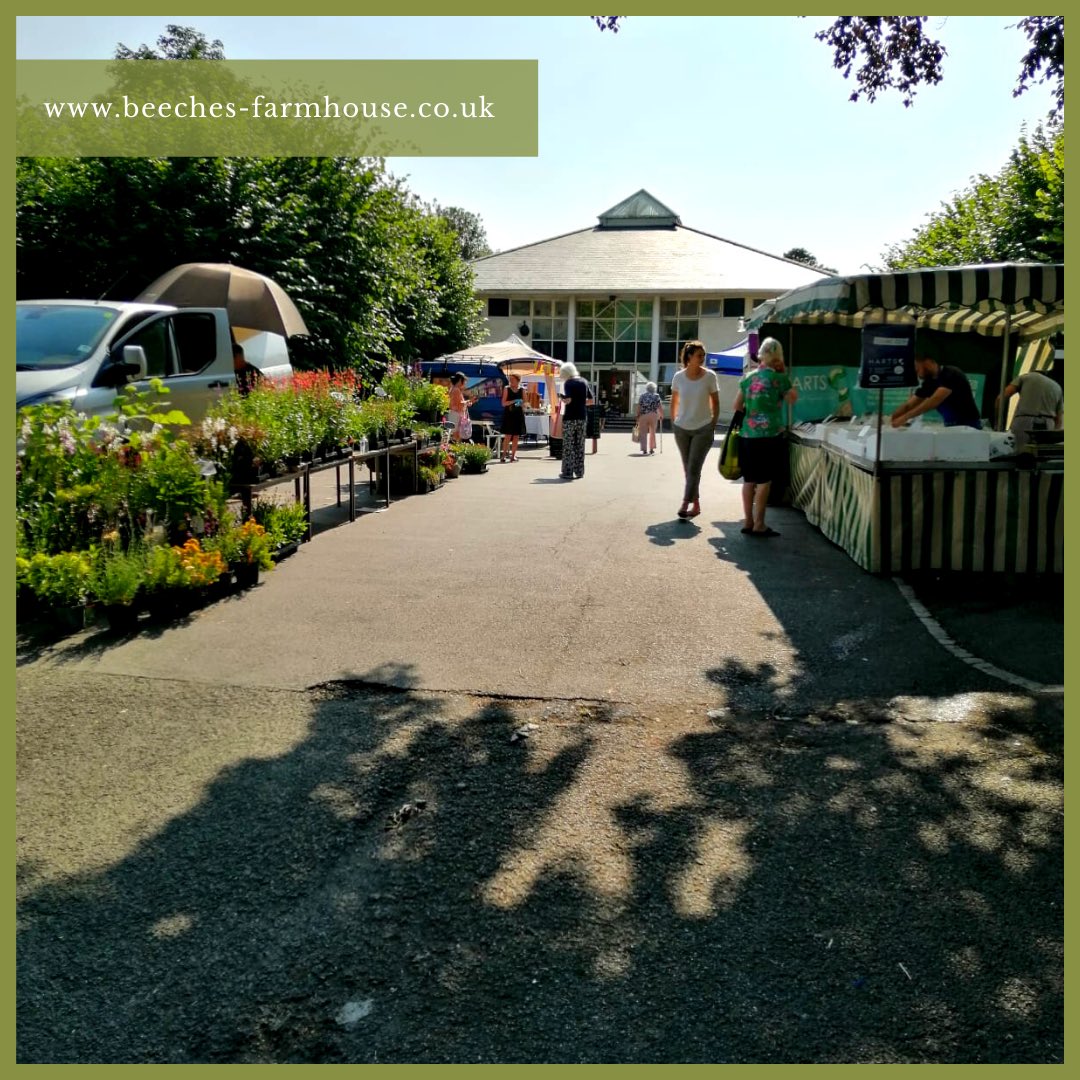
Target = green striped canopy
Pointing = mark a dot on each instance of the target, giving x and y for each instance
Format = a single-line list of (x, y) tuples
[(1027, 297)]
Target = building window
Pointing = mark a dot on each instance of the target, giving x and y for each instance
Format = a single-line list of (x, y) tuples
[(611, 332), (519, 309), (712, 307), (556, 349), (498, 307), (734, 307), (756, 303)]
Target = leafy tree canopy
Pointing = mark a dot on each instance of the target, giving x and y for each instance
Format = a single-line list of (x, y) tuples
[(376, 276), (894, 52), (472, 237), (1016, 215), (801, 255), (177, 43)]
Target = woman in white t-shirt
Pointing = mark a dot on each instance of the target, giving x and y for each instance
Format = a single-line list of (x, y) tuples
[(695, 408)]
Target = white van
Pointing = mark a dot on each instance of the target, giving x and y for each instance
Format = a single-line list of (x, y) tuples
[(84, 351)]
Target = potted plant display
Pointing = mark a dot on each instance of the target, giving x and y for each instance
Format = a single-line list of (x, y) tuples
[(118, 581), (252, 547), (474, 457), (430, 478)]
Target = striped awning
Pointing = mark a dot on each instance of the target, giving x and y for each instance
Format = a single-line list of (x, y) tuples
[(1027, 297)]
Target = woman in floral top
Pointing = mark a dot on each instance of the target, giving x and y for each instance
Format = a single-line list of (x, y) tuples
[(650, 413), (762, 394)]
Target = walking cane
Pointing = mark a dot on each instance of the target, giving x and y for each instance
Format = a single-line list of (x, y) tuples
[(661, 426)]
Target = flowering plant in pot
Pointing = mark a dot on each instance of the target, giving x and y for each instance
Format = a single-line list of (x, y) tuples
[(201, 567), (451, 465), (474, 457), (430, 476), (252, 553), (285, 523)]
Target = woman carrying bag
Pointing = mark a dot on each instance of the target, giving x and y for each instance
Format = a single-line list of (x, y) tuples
[(762, 444), (649, 416)]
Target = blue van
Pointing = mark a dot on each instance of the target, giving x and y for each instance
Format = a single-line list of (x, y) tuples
[(485, 380)]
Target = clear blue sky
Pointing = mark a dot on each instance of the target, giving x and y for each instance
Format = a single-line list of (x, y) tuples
[(741, 125)]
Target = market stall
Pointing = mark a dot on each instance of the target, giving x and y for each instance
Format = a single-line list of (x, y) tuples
[(924, 497), (540, 374)]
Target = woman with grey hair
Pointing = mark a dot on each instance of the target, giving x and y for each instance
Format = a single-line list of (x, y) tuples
[(762, 447), (650, 414), (577, 397)]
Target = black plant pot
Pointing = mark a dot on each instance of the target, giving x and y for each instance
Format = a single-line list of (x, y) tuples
[(223, 586), (285, 551), (171, 604), (123, 618), (67, 619), (245, 466), (247, 575)]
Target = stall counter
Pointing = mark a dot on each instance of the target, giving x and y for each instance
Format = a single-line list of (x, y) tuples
[(991, 516)]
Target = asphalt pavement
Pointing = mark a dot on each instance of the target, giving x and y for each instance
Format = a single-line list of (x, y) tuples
[(532, 770)]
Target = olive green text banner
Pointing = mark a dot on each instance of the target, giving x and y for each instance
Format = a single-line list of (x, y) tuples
[(285, 108)]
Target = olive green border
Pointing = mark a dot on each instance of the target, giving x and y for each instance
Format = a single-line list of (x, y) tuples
[(9, 696)]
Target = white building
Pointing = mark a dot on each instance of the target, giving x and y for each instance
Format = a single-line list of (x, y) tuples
[(621, 297)]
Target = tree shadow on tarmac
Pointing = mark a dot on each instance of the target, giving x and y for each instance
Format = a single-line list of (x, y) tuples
[(602, 888)]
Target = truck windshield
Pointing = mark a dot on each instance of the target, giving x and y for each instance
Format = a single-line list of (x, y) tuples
[(51, 336)]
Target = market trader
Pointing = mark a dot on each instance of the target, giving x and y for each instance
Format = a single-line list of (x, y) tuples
[(941, 387), (1041, 406)]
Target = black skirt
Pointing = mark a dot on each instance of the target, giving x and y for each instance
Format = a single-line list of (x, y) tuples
[(513, 420)]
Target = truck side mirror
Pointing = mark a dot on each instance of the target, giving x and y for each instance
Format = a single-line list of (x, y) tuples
[(135, 362)]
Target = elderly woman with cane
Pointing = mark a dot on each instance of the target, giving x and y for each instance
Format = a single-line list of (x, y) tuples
[(650, 415)]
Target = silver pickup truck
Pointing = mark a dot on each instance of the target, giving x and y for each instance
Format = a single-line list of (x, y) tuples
[(84, 351)]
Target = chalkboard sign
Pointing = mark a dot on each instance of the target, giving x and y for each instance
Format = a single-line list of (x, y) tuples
[(888, 356)]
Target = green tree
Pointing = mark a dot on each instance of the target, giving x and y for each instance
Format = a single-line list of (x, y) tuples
[(894, 52), (1016, 215), (801, 255), (177, 43), (472, 237), (376, 277)]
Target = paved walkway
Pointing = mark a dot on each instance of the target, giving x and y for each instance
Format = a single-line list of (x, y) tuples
[(744, 807), (517, 583)]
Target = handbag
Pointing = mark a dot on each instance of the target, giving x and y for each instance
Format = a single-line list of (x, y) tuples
[(465, 427), (729, 452), (636, 433)]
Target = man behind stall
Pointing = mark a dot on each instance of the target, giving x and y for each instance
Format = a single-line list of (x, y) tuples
[(1041, 406), (942, 387)]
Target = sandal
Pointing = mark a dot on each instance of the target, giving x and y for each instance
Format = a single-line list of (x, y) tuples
[(693, 513), (683, 511), (764, 532), (747, 529)]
